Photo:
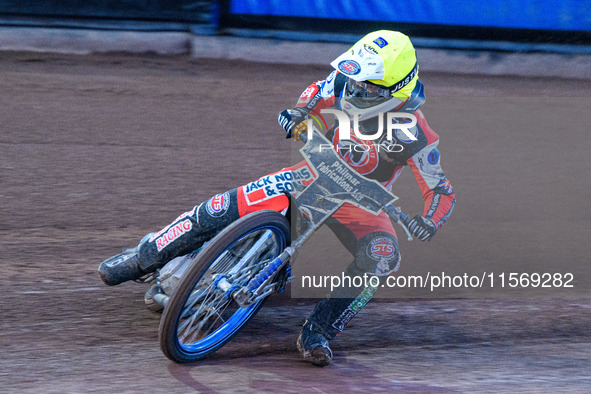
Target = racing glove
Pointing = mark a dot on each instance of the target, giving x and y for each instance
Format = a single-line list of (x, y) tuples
[(421, 227), (290, 119)]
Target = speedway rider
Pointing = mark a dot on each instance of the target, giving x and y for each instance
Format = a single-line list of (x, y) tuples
[(379, 74)]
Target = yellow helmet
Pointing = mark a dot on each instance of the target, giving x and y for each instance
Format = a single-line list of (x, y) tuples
[(385, 58)]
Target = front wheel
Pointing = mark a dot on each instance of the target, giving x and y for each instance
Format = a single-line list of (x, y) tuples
[(200, 317)]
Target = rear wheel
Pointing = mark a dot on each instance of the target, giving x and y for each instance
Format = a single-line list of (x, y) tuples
[(200, 317)]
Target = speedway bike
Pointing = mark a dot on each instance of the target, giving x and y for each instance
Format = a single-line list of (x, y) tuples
[(207, 296)]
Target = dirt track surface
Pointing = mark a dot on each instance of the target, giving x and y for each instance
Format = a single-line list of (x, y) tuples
[(96, 151)]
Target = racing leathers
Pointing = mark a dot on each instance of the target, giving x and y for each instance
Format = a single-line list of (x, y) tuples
[(370, 239), (383, 160)]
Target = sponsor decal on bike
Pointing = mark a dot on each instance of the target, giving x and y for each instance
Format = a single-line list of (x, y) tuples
[(273, 185), (381, 248), (349, 67), (269, 186), (173, 233), (218, 204), (340, 175), (302, 173)]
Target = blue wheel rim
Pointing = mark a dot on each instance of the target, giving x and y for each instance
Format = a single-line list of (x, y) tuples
[(238, 318)]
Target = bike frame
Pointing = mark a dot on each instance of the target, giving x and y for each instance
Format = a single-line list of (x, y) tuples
[(335, 183)]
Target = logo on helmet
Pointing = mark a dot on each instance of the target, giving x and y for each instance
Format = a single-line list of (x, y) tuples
[(349, 67), (370, 49), (380, 42)]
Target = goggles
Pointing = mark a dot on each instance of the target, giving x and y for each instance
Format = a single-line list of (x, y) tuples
[(366, 89)]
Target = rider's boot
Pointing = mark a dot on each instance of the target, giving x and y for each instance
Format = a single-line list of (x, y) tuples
[(313, 345), (327, 320), (122, 267)]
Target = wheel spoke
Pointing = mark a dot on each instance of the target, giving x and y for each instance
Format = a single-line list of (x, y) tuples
[(208, 307), (187, 311), (206, 321)]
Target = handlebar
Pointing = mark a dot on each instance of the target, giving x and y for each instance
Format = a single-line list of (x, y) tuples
[(399, 217)]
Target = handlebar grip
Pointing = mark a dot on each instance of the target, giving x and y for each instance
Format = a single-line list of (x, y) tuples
[(300, 132)]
